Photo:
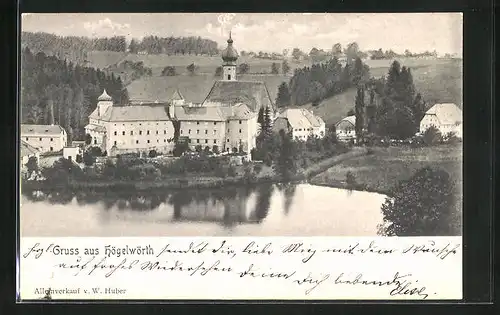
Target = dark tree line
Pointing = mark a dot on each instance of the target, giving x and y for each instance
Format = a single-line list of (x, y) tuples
[(49, 84), (174, 45), (323, 80)]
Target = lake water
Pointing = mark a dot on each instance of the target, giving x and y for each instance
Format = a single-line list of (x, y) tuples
[(264, 210)]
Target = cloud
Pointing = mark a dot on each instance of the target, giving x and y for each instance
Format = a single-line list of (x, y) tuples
[(106, 27)]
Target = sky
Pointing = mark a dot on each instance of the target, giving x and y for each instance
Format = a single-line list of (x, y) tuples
[(417, 32)]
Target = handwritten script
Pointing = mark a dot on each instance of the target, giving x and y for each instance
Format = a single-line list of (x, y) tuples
[(308, 267)]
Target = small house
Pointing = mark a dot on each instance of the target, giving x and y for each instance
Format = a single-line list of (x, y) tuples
[(345, 128), (446, 117)]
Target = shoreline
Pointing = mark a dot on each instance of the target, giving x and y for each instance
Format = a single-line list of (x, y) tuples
[(202, 182)]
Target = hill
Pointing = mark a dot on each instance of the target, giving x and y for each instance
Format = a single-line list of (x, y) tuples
[(438, 81)]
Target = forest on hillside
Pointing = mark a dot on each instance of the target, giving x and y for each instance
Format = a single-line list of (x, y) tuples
[(76, 48), (70, 91)]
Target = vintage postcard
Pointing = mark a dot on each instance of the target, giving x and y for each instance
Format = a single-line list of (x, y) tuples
[(248, 156)]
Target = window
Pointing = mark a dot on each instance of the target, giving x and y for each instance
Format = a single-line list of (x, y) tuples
[(140, 124), (115, 133), (147, 132), (26, 139), (229, 77), (140, 132), (240, 130), (206, 131), (198, 132), (40, 139), (215, 131), (164, 140), (157, 141), (197, 140), (197, 122), (215, 141), (148, 141), (215, 123), (181, 131), (51, 139), (189, 140), (227, 129), (206, 140), (189, 131), (95, 141), (136, 141), (164, 132), (115, 142), (227, 140), (157, 131), (51, 149), (131, 133), (123, 133), (240, 122)]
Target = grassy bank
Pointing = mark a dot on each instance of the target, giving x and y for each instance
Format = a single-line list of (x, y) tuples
[(385, 167)]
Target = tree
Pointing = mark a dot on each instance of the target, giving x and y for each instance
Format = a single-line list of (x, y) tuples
[(424, 205), (88, 158), (260, 116), (152, 153), (198, 148), (78, 158), (180, 148), (432, 136), (283, 98), (296, 53), (359, 109), (285, 67), (133, 47), (168, 71), (32, 165), (192, 69), (275, 68), (243, 68), (285, 165), (218, 71), (337, 50), (215, 149), (206, 150), (88, 139), (352, 51)]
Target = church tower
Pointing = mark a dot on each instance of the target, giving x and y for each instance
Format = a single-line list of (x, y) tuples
[(229, 57), (103, 103)]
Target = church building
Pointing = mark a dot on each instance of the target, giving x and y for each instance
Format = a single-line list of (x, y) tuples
[(225, 121)]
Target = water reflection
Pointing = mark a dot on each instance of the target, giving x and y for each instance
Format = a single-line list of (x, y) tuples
[(229, 206)]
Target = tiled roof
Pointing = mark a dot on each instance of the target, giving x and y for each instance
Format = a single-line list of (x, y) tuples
[(104, 97), (446, 113), (41, 130), (252, 93), (177, 95), (136, 113), (241, 111), (301, 118), (201, 113), (27, 149), (350, 119)]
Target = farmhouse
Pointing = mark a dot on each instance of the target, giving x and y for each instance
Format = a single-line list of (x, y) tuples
[(446, 117), (46, 138), (345, 128), (301, 123)]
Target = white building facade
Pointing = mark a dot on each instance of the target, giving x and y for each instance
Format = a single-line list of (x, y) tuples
[(446, 117), (46, 138), (301, 123)]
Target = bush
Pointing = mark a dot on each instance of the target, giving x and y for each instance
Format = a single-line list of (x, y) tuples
[(153, 154), (88, 139), (257, 169), (231, 171), (206, 150), (32, 165), (451, 137), (198, 148), (432, 136), (88, 159), (180, 148), (424, 205), (350, 179), (215, 149), (78, 158)]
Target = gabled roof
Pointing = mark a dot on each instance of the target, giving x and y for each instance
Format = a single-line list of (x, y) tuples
[(241, 111), (252, 93), (27, 149), (349, 119), (301, 118), (95, 128), (149, 112), (199, 113), (446, 113), (49, 130)]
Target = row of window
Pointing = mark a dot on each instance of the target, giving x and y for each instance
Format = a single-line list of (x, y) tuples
[(140, 132), (308, 129), (215, 123), (206, 131), (137, 141), (51, 139)]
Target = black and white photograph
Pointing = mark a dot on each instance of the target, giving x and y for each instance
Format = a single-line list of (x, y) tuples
[(240, 124)]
